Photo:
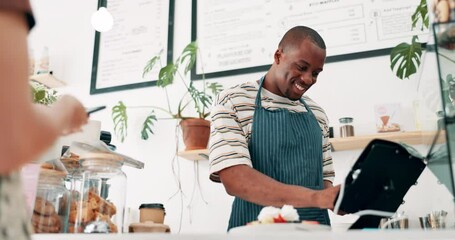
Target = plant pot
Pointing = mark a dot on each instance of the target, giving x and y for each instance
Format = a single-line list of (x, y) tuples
[(196, 133)]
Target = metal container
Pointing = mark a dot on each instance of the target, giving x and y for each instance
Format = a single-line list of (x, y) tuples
[(346, 127)]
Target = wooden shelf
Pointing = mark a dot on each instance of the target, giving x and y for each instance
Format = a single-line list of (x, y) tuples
[(344, 144), (360, 142), (195, 155)]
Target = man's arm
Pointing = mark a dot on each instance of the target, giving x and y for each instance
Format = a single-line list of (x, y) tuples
[(328, 184), (249, 184)]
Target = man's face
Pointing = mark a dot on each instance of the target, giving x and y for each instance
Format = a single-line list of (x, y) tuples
[(297, 69)]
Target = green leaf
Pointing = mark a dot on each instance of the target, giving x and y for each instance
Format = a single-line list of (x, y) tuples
[(421, 13), (201, 100), (450, 79), (147, 126), (166, 75), (189, 55), (40, 95), (214, 88), (405, 58), (120, 119), (150, 64)]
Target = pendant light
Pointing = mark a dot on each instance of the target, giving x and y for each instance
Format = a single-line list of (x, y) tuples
[(102, 20)]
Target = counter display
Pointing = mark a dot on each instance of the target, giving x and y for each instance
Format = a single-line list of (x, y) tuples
[(288, 235)]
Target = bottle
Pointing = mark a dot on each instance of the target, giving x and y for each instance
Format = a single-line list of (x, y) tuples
[(31, 62), (440, 122), (43, 66), (346, 128), (51, 208), (98, 194)]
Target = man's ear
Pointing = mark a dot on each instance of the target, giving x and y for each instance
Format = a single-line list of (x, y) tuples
[(277, 55)]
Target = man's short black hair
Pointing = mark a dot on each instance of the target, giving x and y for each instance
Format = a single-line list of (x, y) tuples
[(294, 36)]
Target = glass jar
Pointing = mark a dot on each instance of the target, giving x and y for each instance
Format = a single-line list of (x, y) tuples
[(98, 195), (51, 208), (346, 128)]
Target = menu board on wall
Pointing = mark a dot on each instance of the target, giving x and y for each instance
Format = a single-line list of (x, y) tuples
[(239, 36), (142, 29)]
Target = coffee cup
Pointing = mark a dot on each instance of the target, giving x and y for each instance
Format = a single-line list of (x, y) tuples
[(154, 212)]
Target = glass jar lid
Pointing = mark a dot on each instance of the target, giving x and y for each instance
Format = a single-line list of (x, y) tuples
[(101, 159), (346, 120), (50, 176)]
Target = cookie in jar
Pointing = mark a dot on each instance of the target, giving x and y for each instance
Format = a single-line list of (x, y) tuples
[(50, 211), (98, 194)]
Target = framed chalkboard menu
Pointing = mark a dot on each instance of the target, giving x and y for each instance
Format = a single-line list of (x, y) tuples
[(238, 36), (142, 29)]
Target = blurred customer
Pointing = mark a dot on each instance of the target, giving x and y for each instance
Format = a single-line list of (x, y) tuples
[(27, 130)]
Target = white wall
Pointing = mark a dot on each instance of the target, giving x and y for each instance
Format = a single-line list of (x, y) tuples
[(348, 88)]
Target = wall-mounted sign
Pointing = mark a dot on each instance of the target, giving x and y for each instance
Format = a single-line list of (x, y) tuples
[(241, 36), (142, 29)]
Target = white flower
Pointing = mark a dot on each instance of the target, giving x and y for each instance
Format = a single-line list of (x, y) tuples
[(289, 213), (267, 214)]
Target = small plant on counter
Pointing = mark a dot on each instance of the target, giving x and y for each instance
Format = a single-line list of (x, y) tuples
[(42, 94), (200, 100)]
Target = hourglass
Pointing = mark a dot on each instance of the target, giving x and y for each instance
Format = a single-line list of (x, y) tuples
[(385, 116)]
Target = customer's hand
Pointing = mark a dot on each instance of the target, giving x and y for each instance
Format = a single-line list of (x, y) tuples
[(72, 113)]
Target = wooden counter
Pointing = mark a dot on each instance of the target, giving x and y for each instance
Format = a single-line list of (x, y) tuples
[(373, 234)]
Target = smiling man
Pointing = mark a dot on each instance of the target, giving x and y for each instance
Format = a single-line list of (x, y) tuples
[(269, 142)]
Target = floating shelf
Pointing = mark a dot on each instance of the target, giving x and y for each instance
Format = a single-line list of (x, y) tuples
[(344, 144), (195, 155), (360, 142)]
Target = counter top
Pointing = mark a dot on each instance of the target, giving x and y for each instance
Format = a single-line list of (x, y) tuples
[(288, 235)]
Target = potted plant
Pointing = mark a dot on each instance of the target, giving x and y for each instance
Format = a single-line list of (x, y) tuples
[(42, 94), (199, 100)]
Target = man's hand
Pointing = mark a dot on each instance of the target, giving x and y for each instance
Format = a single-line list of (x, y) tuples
[(248, 184), (326, 198)]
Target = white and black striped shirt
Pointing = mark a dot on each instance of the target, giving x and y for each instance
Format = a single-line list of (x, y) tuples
[(232, 119)]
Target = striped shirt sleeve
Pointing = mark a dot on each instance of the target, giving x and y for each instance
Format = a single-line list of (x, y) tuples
[(228, 144)]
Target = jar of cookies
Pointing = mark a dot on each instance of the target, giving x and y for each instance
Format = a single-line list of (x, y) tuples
[(98, 195), (51, 208)]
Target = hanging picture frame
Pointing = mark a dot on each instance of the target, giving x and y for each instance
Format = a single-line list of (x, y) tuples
[(239, 37), (142, 29)]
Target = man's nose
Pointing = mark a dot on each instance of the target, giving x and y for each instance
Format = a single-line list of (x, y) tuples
[(307, 78)]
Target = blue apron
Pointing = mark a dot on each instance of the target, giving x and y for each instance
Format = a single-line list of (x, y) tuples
[(287, 147)]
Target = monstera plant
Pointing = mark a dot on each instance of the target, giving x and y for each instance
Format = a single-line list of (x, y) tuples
[(199, 100), (405, 58)]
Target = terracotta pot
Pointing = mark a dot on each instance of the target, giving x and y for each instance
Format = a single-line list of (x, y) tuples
[(196, 133)]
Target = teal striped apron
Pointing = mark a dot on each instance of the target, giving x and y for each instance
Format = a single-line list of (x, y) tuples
[(287, 147)]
